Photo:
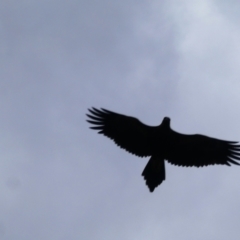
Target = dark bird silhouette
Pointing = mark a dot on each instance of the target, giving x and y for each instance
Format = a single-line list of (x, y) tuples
[(162, 143)]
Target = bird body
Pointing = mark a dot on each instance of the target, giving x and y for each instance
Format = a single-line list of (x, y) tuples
[(162, 143)]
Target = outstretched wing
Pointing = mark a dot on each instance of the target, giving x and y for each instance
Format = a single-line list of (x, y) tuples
[(198, 150), (127, 132)]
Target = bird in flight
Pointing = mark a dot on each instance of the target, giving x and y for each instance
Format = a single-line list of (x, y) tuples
[(162, 143)]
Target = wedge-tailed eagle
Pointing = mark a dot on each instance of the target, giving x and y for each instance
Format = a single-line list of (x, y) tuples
[(162, 143)]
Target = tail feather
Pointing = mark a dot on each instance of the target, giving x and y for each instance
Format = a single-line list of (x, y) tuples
[(154, 172)]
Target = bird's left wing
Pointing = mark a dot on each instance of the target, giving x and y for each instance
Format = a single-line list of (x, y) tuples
[(127, 132), (199, 150)]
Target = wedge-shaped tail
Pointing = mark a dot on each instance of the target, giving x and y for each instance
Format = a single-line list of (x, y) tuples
[(154, 172)]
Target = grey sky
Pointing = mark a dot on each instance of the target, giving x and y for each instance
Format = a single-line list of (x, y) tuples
[(149, 59)]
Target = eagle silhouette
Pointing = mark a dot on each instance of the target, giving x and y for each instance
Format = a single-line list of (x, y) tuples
[(162, 143)]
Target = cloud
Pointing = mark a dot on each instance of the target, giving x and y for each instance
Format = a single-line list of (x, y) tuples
[(58, 179)]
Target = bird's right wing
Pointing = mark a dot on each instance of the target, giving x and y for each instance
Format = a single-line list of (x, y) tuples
[(127, 132), (199, 150)]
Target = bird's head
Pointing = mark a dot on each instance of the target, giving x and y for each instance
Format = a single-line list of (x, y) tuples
[(166, 122)]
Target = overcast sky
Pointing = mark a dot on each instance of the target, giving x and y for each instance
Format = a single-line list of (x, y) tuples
[(149, 59)]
